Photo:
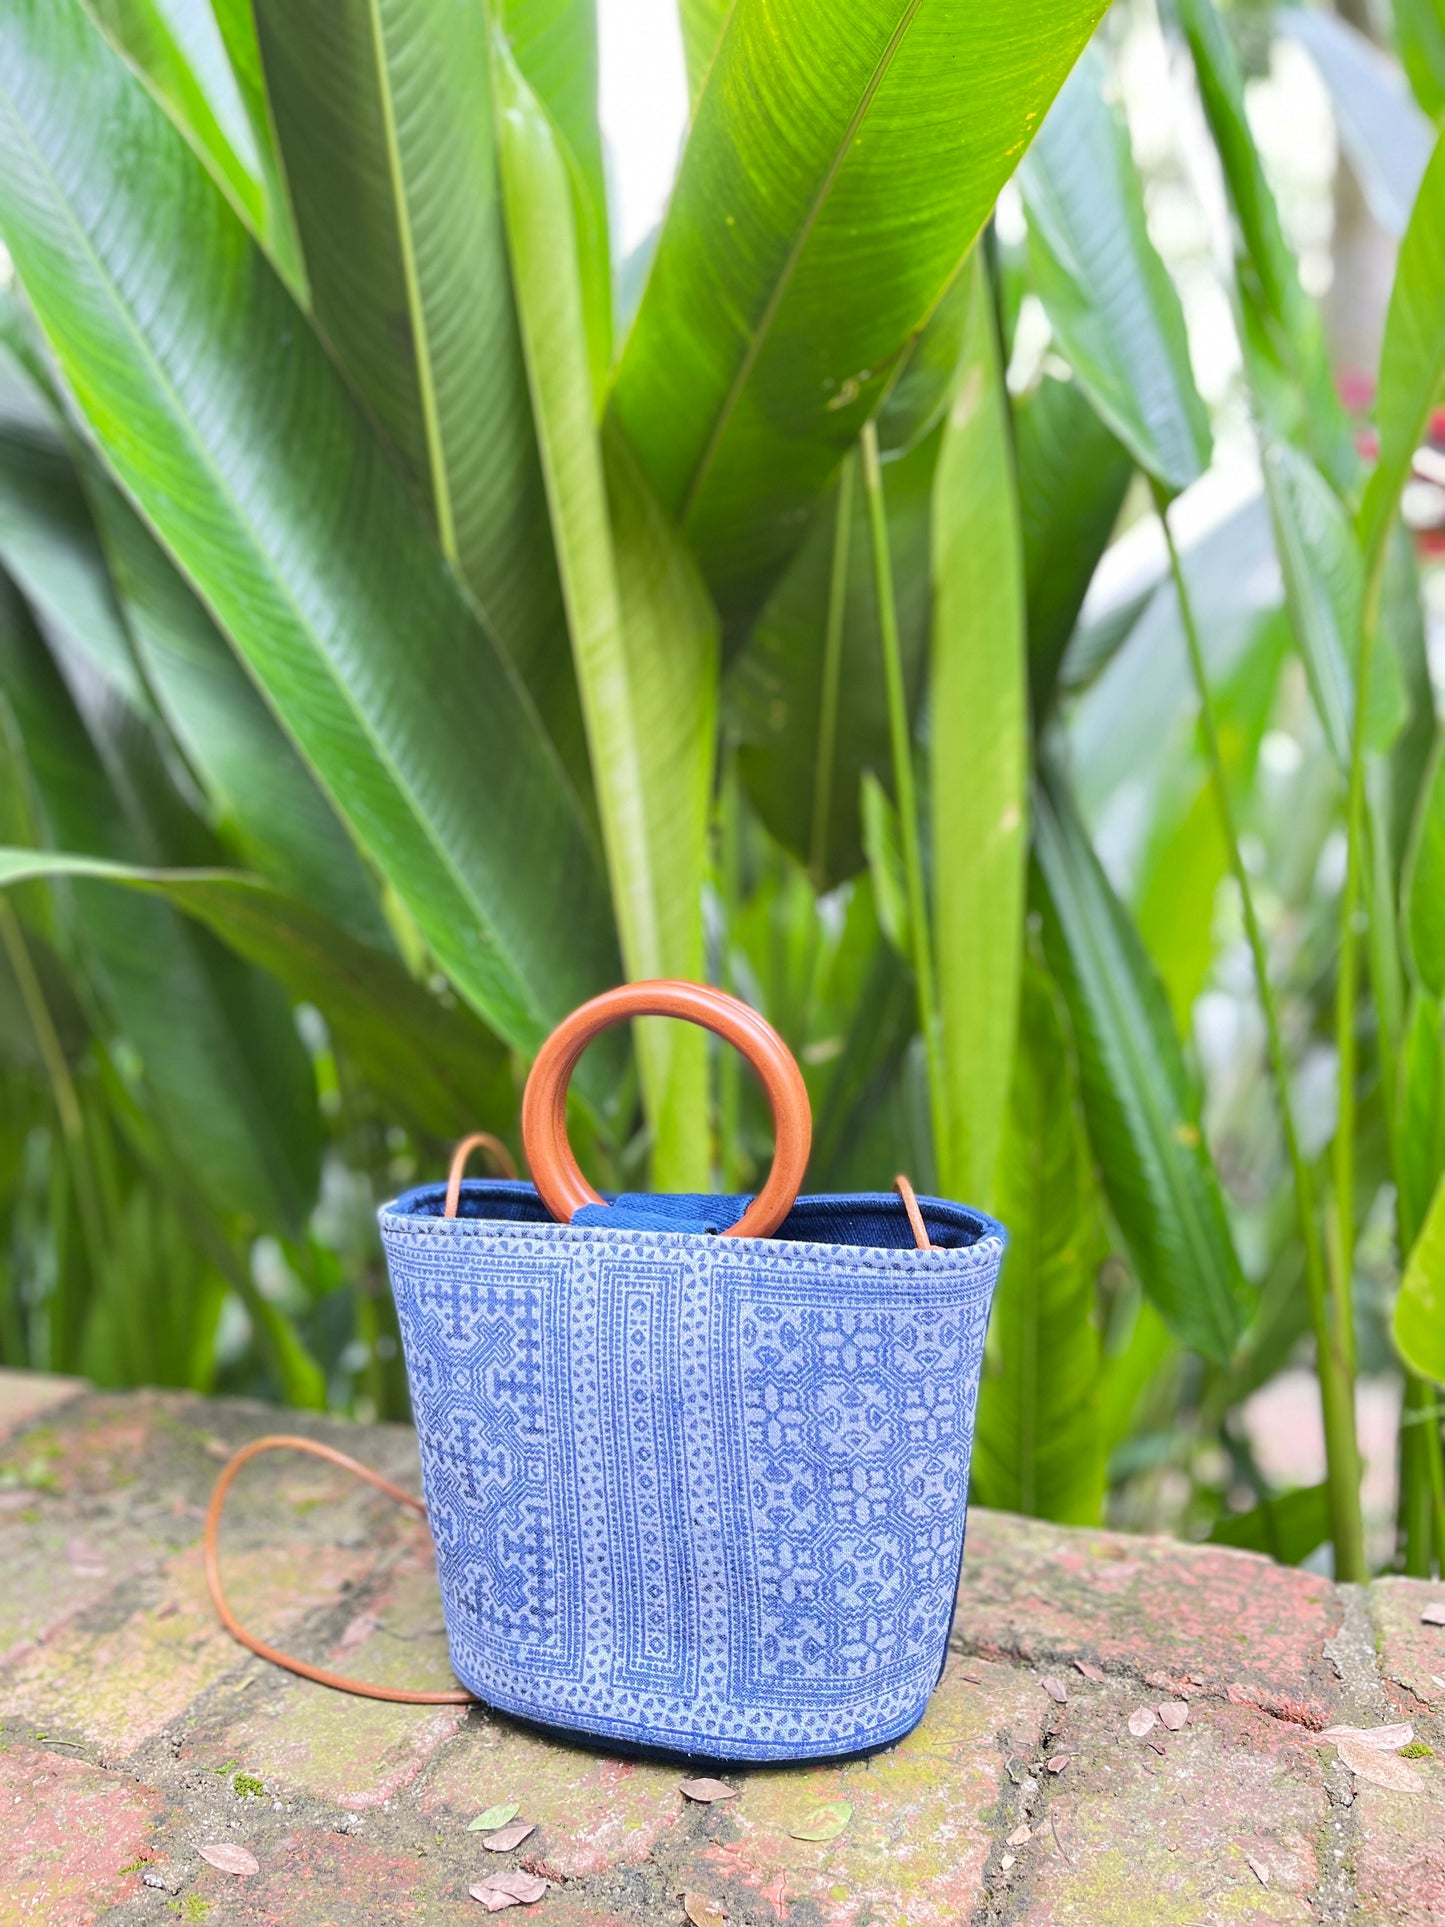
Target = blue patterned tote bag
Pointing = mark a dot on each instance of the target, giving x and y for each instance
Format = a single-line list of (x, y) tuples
[(696, 1468)]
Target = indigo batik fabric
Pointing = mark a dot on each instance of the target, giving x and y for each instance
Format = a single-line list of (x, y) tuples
[(696, 1493)]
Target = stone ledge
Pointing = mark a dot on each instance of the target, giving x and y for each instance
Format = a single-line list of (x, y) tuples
[(133, 1732)]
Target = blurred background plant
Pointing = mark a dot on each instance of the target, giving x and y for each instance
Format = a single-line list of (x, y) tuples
[(987, 612)]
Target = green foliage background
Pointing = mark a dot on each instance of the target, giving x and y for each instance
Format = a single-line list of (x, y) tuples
[(414, 619)]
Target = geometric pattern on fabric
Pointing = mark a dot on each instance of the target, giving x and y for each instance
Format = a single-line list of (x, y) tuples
[(699, 1494)]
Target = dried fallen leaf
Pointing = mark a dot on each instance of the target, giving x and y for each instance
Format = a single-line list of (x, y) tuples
[(1438, 1679), (1091, 1671), (825, 1822), (1380, 1769), (1055, 1688), (1384, 1739), (1006, 1863), (974, 1679), (1174, 1714), (514, 1888), (707, 1791), (1143, 1721), (1434, 1614), (505, 1838), (1258, 1869), (701, 1911), (1019, 1835), (1059, 1762), (494, 1817), (238, 1860)]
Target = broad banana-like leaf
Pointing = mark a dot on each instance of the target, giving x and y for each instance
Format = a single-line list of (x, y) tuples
[(1116, 315), (807, 693), (1039, 1447), (1412, 359), (177, 46), (1419, 1321), (1324, 584), (231, 1084), (1183, 858), (1424, 884), (1073, 473), (384, 114), (554, 42), (266, 800), (1420, 38), (1141, 1105), (702, 28), (785, 288), (1419, 1134), (236, 20), (111, 590), (432, 1063), (228, 427), (1288, 1528), (1384, 134), (1281, 329), (644, 636), (49, 549), (978, 758), (918, 398), (883, 842)]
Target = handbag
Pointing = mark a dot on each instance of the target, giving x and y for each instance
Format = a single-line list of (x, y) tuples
[(696, 1468)]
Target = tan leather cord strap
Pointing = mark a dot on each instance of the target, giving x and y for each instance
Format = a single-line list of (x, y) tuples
[(282, 1441), (478, 1141), (561, 1185), (915, 1216)]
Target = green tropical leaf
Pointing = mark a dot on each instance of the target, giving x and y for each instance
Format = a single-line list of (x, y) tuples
[(231, 1085), (760, 348), (978, 696), (1039, 1448), (644, 636), (1115, 312), (883, 841), (1288, 1527), (236, 20), (1424, 885), (1386, 138), (554, 42), (1073, 474), (1419, 1134), (1281, 329), (384, 115), (111, 590), (1412, 360), (1420, 37), (806, 691), (1419, 1321), (1141, 1105), (918, 397), (230, 430), (703, 22), (1324, 583), (433, 1063)]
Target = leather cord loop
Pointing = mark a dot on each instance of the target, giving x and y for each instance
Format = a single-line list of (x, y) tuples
[(478, 1141), (560, 1183), (288, 1442), (915, 1217)]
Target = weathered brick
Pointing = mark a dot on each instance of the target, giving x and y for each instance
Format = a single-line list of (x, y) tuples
[(25, 1395), (1201, 1614), (125, 1671), (924, 1813), (1162, 1831), (358, 1753), (1399, 1858), (72, 1837)]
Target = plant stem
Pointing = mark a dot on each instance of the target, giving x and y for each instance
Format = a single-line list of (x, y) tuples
[(1336, 1363), (901, 741), (832, 676)]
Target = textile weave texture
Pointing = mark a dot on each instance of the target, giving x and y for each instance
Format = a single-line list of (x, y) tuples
[(695, 1493)]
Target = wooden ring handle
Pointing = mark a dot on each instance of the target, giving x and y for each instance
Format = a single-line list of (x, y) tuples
[(561, 1185)]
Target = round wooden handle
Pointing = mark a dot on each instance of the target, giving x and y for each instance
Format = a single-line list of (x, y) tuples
[(559, 1182)]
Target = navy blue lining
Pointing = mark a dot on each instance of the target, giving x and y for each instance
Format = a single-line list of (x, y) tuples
[(873, 1221)]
